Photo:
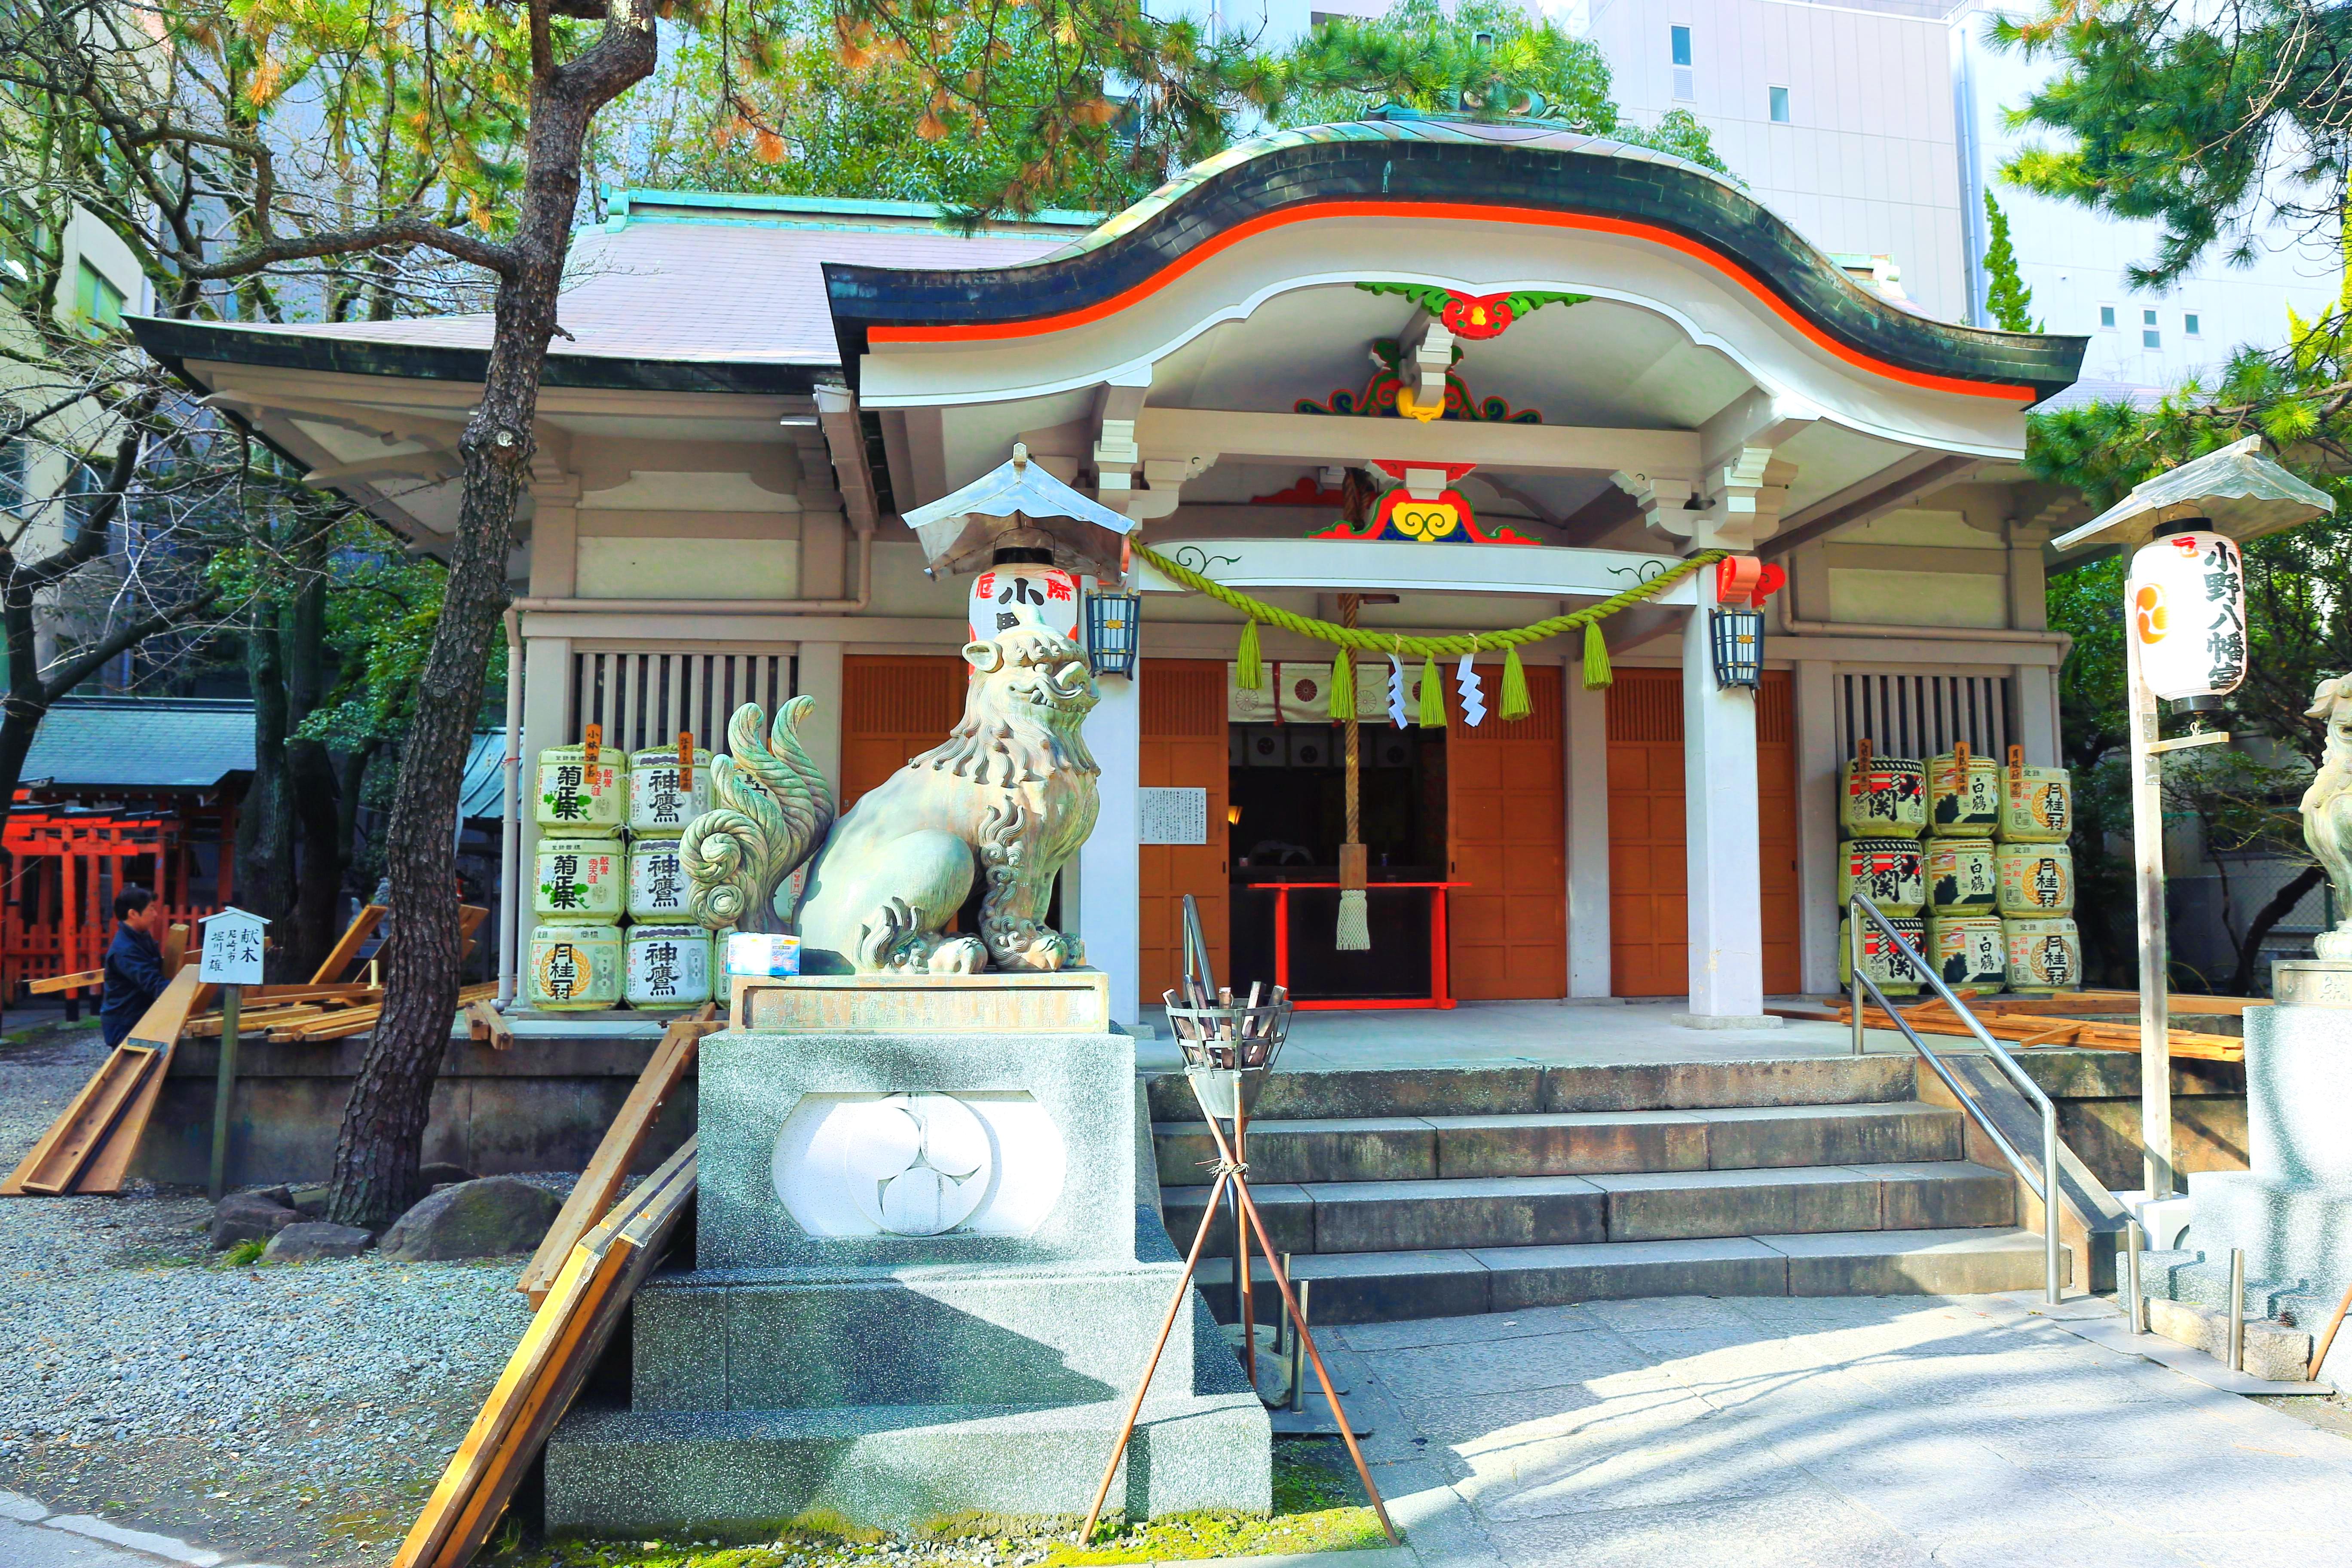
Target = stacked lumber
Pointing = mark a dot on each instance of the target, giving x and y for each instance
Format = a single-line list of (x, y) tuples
[(338, 1023), (2031, 1021), (585, 1306)]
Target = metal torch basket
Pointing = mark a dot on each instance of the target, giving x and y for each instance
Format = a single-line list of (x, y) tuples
[(1229, 1043)]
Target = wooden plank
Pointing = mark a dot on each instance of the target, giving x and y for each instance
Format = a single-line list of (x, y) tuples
[(594, 1194), (565, 1337), (347, 946), (159, 1027), (56, 984), (485, 1022), (175, 951), (59, 1157)]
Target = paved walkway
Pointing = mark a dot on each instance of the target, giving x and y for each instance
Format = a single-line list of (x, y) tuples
[(1890, 1432)]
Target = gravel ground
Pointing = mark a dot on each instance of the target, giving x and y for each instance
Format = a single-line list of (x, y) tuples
[(295, 1413)]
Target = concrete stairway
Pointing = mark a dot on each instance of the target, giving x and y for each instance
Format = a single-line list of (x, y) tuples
[(1432, 1193)]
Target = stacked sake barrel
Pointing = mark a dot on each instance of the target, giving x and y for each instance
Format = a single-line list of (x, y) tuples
[(2043, 946), (608, 850), (1882, 814), (1964, 930)]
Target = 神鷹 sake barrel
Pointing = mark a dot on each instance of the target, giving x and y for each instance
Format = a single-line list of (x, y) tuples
[(1962, 875), (1887, 871), (658, 884), (1968, 950), (1963, 803), (1883, 797), (574, 966), (2036, 878), (579, 800), (2044, 955), (2037, 805), (668, 966), (657, 807), (580, 879), (1880, 959)]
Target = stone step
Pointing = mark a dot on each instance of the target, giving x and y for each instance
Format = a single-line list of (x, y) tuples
[(1569, 1143), (1386, 1287), (1525, 1090), (1547, 1211)]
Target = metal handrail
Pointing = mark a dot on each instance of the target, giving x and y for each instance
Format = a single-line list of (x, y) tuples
[(1860, 908)]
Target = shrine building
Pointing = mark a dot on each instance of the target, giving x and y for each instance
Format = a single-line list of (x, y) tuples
[(1473, 375)]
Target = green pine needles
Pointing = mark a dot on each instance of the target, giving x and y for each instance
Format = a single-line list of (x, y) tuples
[(2007, 298)]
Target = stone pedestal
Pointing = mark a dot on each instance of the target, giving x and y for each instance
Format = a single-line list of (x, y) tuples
[(922, 1286), (2291, 1211)]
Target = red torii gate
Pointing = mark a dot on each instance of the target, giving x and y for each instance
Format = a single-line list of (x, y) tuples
[(63, 871)]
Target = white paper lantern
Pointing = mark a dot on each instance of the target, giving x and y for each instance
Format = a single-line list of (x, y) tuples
[(1004, 598), (2187, 600)]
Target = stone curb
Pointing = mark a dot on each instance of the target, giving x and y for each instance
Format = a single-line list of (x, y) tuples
[(22, 1510)]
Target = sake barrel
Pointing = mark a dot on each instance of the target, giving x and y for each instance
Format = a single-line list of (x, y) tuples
[(657, 807), (577, 799), (669, 966), (2037, 805), (580, 879), (1963, 802), (1880, 959), (574, 966), (1887, 871), (658, 884), (1968, 950), (2036, 878), (1883, 797), (2044, 955), (1962, 874)]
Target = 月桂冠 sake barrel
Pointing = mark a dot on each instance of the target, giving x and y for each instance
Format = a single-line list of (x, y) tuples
[(2037, 805), (1886, 872), (1963, 803), (668, 966), (2036, 879), (1880, 959), (2044, 955), (580, 879), (1962, 875), (657, 806), (574, 966), (1969, 951), (579, 800), (658, 884), (1884, 797)]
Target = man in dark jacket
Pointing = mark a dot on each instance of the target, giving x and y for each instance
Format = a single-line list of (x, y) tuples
[(134, 963)]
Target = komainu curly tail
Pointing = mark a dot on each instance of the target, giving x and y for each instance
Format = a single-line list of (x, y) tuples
[(771, 807)]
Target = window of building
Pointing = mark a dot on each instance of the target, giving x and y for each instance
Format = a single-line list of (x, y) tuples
[(1778, 99), (15, 466), (2150, 338), (1685, 85), (98, 301), (2190, 325), (2107, 315)]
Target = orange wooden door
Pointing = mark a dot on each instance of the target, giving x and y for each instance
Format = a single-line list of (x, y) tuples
[(1183, 745), (894, 707), (1649, 908), (1506, 817)]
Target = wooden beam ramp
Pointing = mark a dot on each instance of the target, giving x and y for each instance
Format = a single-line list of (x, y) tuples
[(583, 1307), (87, 1148)]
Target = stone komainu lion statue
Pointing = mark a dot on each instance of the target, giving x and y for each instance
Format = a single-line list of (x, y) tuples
[(2327, 804), (1008, 797)]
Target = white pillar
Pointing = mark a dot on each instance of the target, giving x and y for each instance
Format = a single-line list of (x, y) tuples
[(1587, 838), (2037, 714), (546, 714), (1817, 827), (817, 673), (1107, 866), (1726, 950)]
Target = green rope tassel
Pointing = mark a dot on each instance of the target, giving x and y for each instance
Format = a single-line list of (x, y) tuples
[(1343, 687), (1514, 703), (1249, 671), (1596, 659), (1432, 696)]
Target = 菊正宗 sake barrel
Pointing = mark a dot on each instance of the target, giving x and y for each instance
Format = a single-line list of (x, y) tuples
[(657, 806), (2037, 805), (1883, 797), (579, 800), (580, 879), (1968, 950), (574, 966), (2044, 955), (1886, 872), (1963, 802), (668, 966), (2036, 878), (657, 885), (1880, 958), (1962, 875)]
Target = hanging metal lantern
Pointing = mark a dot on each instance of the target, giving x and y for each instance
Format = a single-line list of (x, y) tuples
[(1112, 623), (1738, 647), (2187, 598)]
